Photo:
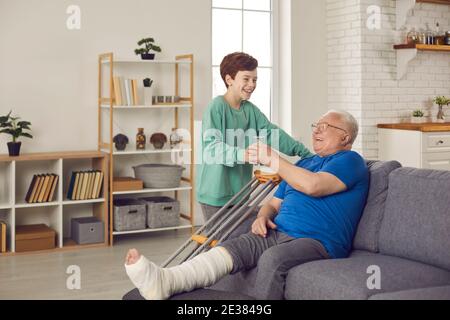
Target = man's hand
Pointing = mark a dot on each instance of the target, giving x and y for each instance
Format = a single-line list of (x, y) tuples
[(262, 153), (259, 226)]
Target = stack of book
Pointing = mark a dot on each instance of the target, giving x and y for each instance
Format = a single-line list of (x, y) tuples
[(2, 237), (125, 91), (85, 185), (42, 188)]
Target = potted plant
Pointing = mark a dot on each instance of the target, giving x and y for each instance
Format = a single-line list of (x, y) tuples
[(417, 116), (11, 125), (441, 101), (148, 46)]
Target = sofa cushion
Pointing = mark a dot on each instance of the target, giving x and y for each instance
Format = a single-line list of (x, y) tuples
[(433, 293), (347, 278), (366, 237), (416, 221)]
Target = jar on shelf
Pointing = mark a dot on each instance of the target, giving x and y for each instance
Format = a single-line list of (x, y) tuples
[(140, 139), (412, 37)]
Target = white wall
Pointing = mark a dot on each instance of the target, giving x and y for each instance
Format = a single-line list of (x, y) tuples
[(48, 74), (309, 66), (362, 66)]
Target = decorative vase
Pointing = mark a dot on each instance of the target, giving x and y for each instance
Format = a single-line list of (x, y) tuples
[(148, 94), (140, 139), (14, 148), (440, 116)]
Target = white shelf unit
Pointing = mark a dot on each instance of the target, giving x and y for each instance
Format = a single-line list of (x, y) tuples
[(110, 115), (16, 174)]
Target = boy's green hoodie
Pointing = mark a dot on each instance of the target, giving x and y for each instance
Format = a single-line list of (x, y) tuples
[(223, 172)]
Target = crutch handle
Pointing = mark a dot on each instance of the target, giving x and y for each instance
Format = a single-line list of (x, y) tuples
[(202, 239), (264, 177)]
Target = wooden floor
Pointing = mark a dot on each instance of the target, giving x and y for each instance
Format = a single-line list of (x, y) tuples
[(43, 276)]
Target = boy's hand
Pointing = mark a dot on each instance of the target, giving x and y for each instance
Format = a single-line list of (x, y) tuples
[(259, 226)]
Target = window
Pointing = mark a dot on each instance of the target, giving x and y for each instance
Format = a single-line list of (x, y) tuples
[(244, 25)]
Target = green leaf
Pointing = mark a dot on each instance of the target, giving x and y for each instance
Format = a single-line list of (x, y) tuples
[(24, 134)]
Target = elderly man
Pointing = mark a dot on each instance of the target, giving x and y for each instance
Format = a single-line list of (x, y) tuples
[(313, 215)]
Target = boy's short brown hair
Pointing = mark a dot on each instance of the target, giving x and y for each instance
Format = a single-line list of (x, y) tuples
[(235, 62)]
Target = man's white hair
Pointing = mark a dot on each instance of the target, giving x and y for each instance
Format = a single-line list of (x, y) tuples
[(350, 121)]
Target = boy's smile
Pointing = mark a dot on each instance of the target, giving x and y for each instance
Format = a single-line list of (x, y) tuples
[(243, 84)]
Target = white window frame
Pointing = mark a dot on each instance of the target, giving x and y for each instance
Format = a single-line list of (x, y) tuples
[(274, 52)]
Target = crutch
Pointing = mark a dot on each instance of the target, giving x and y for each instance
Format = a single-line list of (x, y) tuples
[(265, 182)]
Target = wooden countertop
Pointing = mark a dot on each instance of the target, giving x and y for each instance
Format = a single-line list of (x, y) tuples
[(424, 127)]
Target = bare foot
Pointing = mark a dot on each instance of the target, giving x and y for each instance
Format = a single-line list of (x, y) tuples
[(132, 257)]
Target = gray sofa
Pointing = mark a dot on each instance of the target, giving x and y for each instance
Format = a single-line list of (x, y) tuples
[(404, 232)]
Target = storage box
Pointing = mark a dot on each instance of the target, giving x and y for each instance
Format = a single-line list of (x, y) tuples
[(156, 175), (127, 184), (162, 212), (87, 230), (35, 237), (129, 214)]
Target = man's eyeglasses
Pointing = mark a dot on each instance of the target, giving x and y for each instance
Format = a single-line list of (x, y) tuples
[(323, 126)]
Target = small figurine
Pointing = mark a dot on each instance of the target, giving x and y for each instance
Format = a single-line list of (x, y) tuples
[(158, 140), (175, 138), (120, 141)]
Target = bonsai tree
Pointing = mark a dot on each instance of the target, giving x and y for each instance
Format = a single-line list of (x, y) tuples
[(148, 46), (11, 125), (441, 101)]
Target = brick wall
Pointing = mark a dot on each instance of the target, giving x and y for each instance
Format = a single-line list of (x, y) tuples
[(362, 67)]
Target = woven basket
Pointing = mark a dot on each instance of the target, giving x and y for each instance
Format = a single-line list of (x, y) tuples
[(159, 175)]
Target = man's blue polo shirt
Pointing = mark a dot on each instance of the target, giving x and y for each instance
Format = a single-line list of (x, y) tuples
[(332, 219)]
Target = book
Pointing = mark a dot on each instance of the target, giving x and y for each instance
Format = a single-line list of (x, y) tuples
[(128, 92), (96, 185), (52, 191), (100, 185), (80, 185), (134, 85), (84, 186), (117, 91), (30, 189), (49, 187), (2, 236), (76, 185), (38, 188), (71, 185), (90, 184), (44, 188)]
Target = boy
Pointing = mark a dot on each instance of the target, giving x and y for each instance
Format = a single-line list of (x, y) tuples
[(225, 169)]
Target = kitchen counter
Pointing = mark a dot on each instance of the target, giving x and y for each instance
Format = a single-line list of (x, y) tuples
[(423, 127)]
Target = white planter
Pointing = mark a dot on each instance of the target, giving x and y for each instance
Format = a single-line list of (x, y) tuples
[(418, 119), (148, 94)]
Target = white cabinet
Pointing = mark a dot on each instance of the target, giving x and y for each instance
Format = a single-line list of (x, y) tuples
[(414, 148)]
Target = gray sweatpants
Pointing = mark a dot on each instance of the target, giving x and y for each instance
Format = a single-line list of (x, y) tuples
[(274, 255)]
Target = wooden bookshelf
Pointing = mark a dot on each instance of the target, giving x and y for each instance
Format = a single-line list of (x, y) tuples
[(110, 117), (17, 173)]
